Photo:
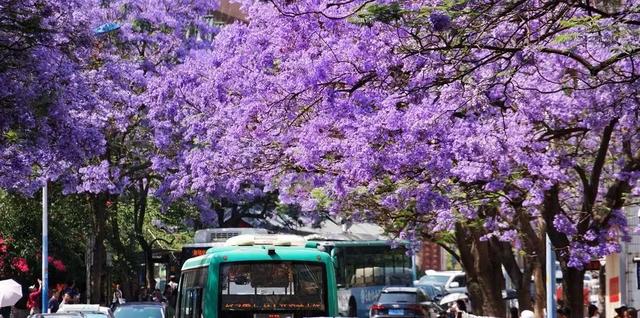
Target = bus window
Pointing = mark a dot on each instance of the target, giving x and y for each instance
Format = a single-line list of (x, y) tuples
[(340, 269), (190, 299), (274, 286)]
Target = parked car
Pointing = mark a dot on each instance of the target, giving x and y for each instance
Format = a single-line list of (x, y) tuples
[(448, 281), (88, 311), (141, 310), (404, 302)]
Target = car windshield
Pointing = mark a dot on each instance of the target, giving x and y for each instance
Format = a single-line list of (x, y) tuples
[(430, 290), (246, 286), (138, 312), (434, 279), (397, 297), (95, 315)]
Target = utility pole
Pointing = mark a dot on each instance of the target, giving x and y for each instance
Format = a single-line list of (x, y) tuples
[(551, 279), (45, 249)]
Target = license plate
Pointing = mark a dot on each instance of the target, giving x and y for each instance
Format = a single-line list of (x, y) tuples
[(272, 315), (396, 312)]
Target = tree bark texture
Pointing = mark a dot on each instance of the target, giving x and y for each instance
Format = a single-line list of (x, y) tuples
[(484, 274), (100, 215)]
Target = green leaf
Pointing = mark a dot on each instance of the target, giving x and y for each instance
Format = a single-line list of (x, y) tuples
[(565, 37), (11, 136)]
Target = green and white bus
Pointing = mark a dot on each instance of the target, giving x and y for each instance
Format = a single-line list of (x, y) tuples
[(364, 268), (259, 276)]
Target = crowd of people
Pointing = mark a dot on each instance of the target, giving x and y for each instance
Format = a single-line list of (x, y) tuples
[(168, 296), (31, 303)]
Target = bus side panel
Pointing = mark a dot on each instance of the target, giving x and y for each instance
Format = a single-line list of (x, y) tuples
[(365, 297), (332, 297), (211, 290)]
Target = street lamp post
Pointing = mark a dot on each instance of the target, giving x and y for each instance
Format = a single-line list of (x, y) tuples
[(551, 279), (45, 248)]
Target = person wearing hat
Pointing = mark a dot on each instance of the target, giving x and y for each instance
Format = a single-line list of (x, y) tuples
[(620, 311), (630, 313)]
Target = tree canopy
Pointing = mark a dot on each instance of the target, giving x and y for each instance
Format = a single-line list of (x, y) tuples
[(507, 116)]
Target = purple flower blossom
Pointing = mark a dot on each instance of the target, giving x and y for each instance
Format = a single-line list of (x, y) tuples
[(439, 21), (564, 225)]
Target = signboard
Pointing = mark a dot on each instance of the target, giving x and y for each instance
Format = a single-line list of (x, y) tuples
[(614, 289)]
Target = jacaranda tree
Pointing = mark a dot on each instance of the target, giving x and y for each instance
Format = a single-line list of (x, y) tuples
[(43, 130), (72, 104), (131, 39), (507, 116)]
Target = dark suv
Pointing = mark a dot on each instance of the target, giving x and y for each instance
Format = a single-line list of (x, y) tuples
[(400, 302)]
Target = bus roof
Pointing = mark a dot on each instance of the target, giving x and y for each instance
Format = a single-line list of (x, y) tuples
[(357, 243), (222, 234), (257, 253)]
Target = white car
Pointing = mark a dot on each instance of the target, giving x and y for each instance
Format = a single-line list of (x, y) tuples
[(448, 281), (89, 311)]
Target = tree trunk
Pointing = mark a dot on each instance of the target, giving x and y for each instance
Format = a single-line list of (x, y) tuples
[(519, 277), (148, 261), (572, 290), (125, 262), (540, 300), (484, 273), (140, 208), (100, 214), (523, 288)]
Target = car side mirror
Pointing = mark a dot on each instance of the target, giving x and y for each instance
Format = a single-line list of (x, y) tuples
[(454, 285)]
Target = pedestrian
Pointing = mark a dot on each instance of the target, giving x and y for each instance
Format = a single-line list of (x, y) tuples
[(172, 282), (593, 312), (513, 312), (19, 309), (630, 313), (168, 292), (564, 312), (73, 292), (67, 299), (157, 296), (142, 295), (34, 303), (117, 297), (168, 296), (5, 312), (620, 311), (54, 301)]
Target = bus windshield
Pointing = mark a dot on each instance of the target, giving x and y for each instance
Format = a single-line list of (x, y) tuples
[(272, 286)]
